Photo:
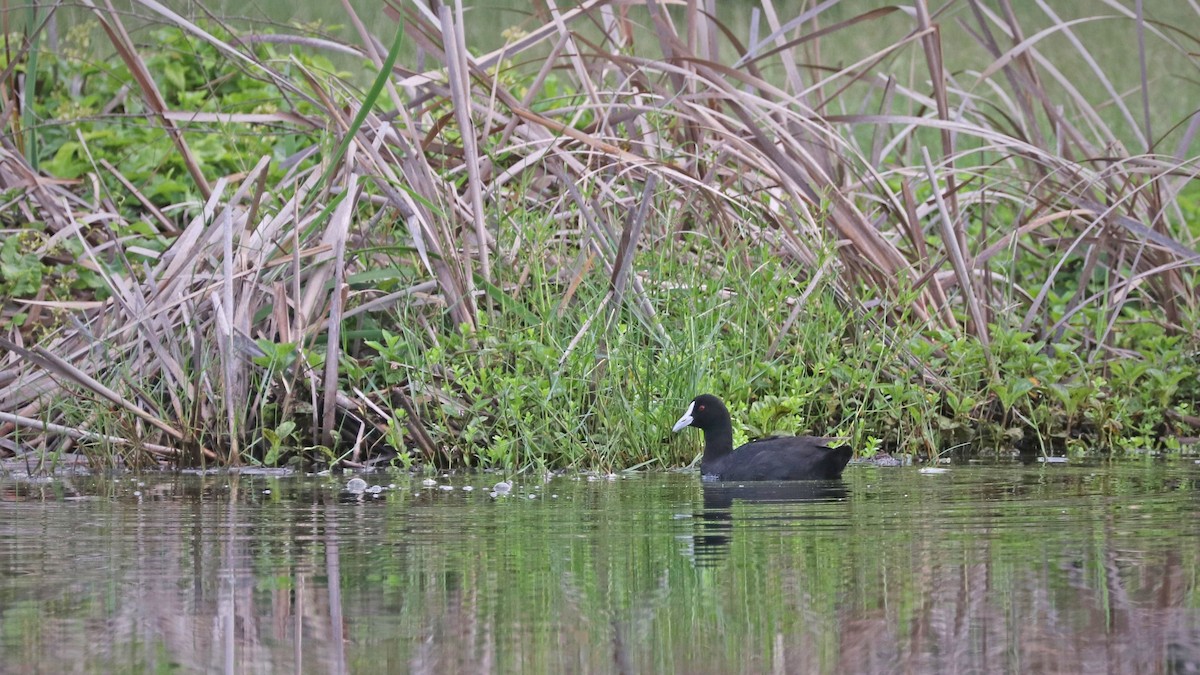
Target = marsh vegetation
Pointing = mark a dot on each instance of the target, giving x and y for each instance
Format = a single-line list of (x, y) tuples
[(228, 245)]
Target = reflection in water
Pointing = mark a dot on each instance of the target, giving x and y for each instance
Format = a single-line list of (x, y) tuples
[(1049, 569), (715, 520)]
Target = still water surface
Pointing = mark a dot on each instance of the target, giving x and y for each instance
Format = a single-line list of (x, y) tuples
[(980, 569)]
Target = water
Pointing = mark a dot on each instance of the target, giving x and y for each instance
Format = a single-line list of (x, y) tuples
[(981, 569)]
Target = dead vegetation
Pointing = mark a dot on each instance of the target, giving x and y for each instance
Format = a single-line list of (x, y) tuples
[(929, 196)]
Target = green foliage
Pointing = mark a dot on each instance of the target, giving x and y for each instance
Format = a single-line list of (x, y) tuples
[(75, 95), (530, 389), (191, 75), (280, 439), (21, 270), (26, 268)]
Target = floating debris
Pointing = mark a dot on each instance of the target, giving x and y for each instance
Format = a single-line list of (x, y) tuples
[(446, 488), (933, 469), (467, 488), (503, 487), (429, 482), (356, 486), (881, 459), (375, 489)]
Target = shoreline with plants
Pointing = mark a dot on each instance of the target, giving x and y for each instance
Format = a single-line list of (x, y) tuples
[(218, 249)]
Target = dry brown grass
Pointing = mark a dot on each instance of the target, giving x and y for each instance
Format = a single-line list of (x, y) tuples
[(898, 184)]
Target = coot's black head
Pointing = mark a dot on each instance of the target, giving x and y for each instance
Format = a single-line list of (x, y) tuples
[(704, 412)]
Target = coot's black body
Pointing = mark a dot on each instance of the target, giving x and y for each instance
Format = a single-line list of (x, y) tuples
[(776, 458)]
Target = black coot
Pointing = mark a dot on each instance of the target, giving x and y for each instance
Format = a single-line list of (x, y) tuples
[(775, 458)]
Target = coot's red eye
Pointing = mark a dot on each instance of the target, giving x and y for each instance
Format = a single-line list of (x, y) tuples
[(701, 408)]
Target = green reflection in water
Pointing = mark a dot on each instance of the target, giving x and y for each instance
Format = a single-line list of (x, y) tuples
[(1002, 568)]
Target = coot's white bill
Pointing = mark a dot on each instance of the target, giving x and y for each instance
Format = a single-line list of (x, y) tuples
[(686, 420)]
